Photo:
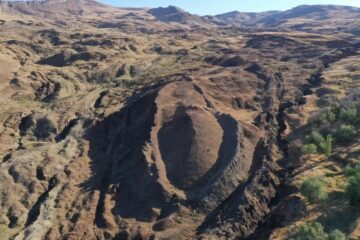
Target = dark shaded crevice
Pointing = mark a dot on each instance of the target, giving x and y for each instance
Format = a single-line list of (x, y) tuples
[(283, 191), (13, 221), (35, 210), (99, 221), (40, 174), (100, 98), (20, 145), (44, 129), (65, 132), (307, 90), (281, 121), (282, 173), (13, 172), (121, 71), (176, 163), (7, 157), (116, 145), (239, 210), (55, 92), (262, 74), (316, 79), (233, 140), (197, 88), (25, 124)]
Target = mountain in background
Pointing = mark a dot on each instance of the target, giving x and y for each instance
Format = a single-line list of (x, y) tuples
[(317, 14)]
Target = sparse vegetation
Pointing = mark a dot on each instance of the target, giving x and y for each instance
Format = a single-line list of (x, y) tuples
[(315, 231), (345, 133), (336, 235), (349, 115), (327, 145), (353, 188), (314, 190), (316, 138), (309, 149), (337, 122), (310, 231), (351, 171), (318, 142), (322, 122)]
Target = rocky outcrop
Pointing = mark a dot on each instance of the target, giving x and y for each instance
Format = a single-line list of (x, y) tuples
[(37, 126), (69, 56), (175, 14), (163, 152), (226, 61), (246, 207)]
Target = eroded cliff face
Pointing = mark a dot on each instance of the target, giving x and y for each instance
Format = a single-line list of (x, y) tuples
[(126, 124), (157, 157)]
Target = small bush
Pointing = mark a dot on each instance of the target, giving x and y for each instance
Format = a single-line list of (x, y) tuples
[(326, 146), (315, 231), (327, 116), (310, 231), (351, 171), (349, 115), (314, 190), (323, 118), (336, 235), (309, 148), (316, 138), (353, 189), (345, 133)]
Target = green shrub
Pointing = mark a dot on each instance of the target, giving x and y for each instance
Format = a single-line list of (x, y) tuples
[(323, 118), (345, 133), (351, 171), (349, 115), (310, 231), (326, 146), (327, 116), (315, 231), (335, 107), (353, 189), (336, 235), (314, 190), (309, 148), (316, 138)]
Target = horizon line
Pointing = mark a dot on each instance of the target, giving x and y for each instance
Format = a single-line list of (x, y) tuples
[(172, 5)]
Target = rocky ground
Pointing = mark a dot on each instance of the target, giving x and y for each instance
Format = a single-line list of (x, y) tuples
[(159, 124)]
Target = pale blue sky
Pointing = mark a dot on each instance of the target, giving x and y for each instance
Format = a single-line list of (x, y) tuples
[(211, 7)]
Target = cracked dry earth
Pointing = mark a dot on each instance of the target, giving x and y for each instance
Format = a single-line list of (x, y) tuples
[(156, 123)]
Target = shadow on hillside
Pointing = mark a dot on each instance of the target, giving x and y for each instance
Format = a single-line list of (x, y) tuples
[(341, 217), (118, 168)]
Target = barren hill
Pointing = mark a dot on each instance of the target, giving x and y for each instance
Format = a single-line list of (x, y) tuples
[(174, 14), (120, 123)]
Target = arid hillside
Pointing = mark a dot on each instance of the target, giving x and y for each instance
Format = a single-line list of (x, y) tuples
[(121, 123)]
